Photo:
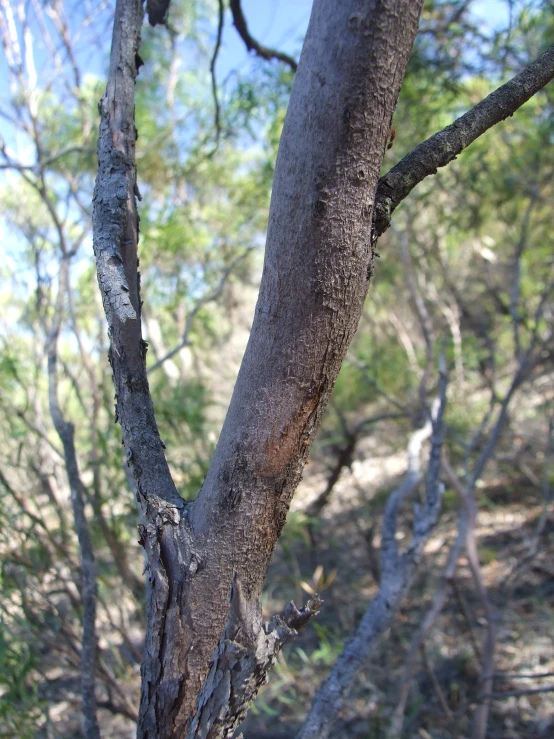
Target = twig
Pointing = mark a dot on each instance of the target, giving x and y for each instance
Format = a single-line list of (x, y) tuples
[(432, 614), (481, 714), (465, 524), (516, 693), (344, 459), (66, 433), (239, 22), (467, 616), (435, 683), (520, 676), (217, 112), (514, 297), (533, 545)]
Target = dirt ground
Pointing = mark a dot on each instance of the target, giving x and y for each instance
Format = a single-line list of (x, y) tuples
[(341, 561)]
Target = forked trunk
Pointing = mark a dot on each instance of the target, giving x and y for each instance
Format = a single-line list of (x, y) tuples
[(317, 268)]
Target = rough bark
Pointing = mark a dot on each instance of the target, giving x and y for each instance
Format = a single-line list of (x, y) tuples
[(316, 274), (319, 260), (240, 665)]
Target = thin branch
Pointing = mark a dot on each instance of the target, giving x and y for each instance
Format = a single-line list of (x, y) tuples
[(66, 433), (239, 21), (467, 616), (432, 614), (10, 164), (466, 494), (344, 459), (516, 693), (115, 239), (533, 545), (435, 683), (444, 146), (516, 283), (397, 573), (31, 426), (520, 676), (463, 540), (217, 111)]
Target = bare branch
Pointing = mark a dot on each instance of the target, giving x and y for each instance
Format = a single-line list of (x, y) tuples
[(444, 146), (463, 540), (439, 600), (435, 683), (240, 24), (520, 676), (66, 434), (46, 162), (516, 693), (344, 459), (397, 574), (466, 494), (217, 112)]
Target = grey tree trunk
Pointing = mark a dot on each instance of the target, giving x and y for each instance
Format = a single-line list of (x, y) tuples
[(318, 263)]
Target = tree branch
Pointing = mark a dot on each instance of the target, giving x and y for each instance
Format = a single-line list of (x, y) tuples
[(65, 431), (312, 293), (444, 146), (516, 693), (397, 574), (239, 22), (204, 300), (217, 111), (115, 238)]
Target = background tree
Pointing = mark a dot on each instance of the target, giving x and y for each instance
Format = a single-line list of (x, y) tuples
[(203, 214)]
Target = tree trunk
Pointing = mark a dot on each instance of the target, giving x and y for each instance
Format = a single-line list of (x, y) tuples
[(318, 263)]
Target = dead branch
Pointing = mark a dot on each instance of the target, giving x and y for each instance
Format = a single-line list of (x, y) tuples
[(516, 693), (465, 525), (66, 432), (487, 658)]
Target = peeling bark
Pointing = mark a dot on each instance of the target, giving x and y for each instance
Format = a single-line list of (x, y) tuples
[(241, 662)]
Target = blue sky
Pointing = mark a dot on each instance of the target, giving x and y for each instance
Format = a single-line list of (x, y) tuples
[(281, 24)]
